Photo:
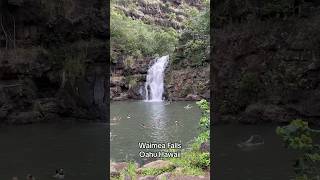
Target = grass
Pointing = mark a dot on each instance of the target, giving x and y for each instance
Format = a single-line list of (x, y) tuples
[(156, 172), (129, 171), (192, 162)]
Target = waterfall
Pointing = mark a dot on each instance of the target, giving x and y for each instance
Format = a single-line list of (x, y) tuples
[(155, 78)]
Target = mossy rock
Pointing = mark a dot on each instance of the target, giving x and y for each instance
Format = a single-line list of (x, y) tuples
[(156, 168)]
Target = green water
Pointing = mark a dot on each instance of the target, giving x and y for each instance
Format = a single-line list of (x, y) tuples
[(138, 121)]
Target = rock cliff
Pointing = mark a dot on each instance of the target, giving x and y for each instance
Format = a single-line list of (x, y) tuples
[(53, 60), (266, 66)]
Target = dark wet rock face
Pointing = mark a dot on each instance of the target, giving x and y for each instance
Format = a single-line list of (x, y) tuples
[(128, 77), (268, 70), (188, 83), (52, 60)]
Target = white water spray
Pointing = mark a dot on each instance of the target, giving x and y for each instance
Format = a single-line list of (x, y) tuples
[(155, 79)]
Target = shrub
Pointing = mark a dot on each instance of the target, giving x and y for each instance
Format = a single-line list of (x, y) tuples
[(195, 38), (134, 37), (298, 136), (205, 116)]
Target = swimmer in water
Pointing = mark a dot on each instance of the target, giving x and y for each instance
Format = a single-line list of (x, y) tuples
[(30, 177), (59, 174)]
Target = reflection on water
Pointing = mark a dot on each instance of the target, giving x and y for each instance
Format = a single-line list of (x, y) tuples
[(158, 119), (150, 122), (40, 149)]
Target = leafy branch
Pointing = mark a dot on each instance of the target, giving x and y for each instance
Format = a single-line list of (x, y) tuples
[(299, 136)]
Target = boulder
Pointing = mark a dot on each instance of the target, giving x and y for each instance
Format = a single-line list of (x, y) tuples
[(147, 178), (205, 147), (178, 170), (121, 97), (163, 176), (193, 97), (192, 178), (4, 110), (253, 141), (117, 80), (264, 113), (159, 164), (24, 117), (116, 168)]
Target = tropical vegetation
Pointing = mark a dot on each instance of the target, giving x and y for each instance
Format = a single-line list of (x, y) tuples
[(138, 39), (300, 137)]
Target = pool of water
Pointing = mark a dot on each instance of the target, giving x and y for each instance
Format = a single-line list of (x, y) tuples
[(156, 122), (138, 121), (81, 149), (270, 161), (40, 149)]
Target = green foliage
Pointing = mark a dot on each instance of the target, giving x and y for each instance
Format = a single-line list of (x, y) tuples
[(204, 124), (200, 22), (130, 171), (196, 159), (195, 39), (131, 81), (191, 170), (192, 162), (135, 38), (156, 172), (298, 136), (190, 10), (195, 51), (203, 137), (172, 16)]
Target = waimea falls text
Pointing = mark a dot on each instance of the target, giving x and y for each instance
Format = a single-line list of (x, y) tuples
[(159, 150)]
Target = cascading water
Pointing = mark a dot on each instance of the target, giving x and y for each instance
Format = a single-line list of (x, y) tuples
[(155, 79)]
